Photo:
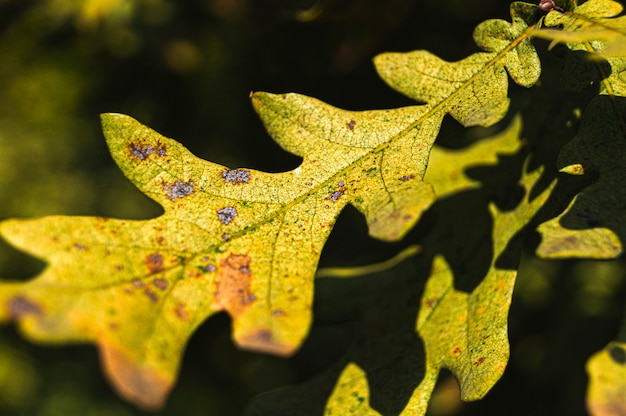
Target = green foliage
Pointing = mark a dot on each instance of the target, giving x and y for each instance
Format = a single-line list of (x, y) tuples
[(248, 242)]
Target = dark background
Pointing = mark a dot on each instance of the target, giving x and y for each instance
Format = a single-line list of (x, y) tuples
[(186, 69)]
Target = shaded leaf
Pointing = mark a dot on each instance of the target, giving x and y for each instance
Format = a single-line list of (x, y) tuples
[(466, 333), (594, 225)]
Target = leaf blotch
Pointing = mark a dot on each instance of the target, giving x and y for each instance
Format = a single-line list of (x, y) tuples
[(406, 178), (334, 196), (233, 284), (262, 340), (160, 283), (479, 361), (20, 306), (151, 295), (236, 176), (142, 151), (154, 262), (178, 189), (351, 124), (226, 215), (181, 312)]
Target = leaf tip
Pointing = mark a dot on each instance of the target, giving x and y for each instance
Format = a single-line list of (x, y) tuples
[(142, 386)]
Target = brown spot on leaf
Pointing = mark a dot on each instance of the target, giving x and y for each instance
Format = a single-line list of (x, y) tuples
[(262, 340), (479, 361), (150, 294), (160, 283), (233, 284), (142, 385), (278, 312), (80, 247), (456, 350), (141, 151), (236, 176), (181, 312), (351, 124), (20, 306), (430, 302), (137, 283), (406, 178), (154, 262)]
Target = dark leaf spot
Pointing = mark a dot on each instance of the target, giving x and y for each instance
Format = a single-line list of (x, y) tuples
[(225, 236), (179, 189), (80, 247), (20, 306), (351, 124), (226, 215), (236, 176), (181, 312), (154, 262), (262, 340), (153, 296), (335, 195), (479, 361), (618, 354), (407, 178), (137, 283), (160, 283), (141, 152)]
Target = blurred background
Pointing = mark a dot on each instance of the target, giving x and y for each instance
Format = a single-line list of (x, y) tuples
[(186, 69)]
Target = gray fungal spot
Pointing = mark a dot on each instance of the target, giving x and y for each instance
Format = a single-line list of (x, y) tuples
[(20, 306), (179, 189), (407, 178), (236, 176), (210, 268), (336, 195), (225, 236), (142, 152), (226, 215)]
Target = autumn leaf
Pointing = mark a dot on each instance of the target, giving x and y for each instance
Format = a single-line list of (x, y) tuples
[(238, 240)]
